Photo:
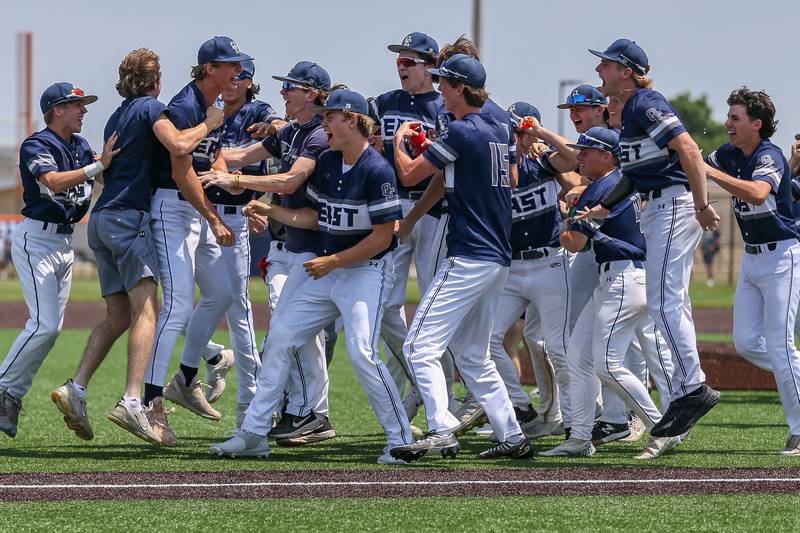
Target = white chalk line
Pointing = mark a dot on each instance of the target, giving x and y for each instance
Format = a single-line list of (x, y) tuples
[(85, 486)]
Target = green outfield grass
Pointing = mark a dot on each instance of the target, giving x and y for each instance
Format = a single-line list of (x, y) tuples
[(746, 429), (769, 512), (88, 290)]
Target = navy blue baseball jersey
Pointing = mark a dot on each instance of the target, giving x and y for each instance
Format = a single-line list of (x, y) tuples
[(618, 236), (186, 110), (349, 201), (394, 108), (43, 152), (649, 123), (475, 155), (773, 220), (536, 216), (796, 203), (128, 183), (291, 142), (235, 135)]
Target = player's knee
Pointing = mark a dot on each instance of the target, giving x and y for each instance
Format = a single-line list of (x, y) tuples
[(48, 330), (496, 348), (746, 342), (608, 373)]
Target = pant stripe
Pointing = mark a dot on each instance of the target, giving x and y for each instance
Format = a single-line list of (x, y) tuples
[(430, 304), (376, 360), (671, 340), (608, 343), (789, 330), (171, 298), (661, 361), (302, 382), (565, 329), (248, 310), (402, 362), (36, 296)]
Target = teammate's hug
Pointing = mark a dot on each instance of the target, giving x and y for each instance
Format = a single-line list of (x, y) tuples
[(590, 242)]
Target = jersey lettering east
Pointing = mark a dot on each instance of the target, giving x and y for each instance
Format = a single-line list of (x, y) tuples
[(533, 200)]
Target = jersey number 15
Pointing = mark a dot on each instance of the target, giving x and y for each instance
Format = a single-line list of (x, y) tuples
[(499, 153)]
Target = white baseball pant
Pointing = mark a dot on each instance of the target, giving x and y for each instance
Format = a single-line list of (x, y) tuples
[(672, 234), (187, 252), (458, 310), (764, 313), (543, 370), (43, 261), (358, 294)]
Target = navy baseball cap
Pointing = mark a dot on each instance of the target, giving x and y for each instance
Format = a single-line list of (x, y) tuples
[(341, 100), (308, 74), (417, 42), (628, 53), (220, 49), (248, 69), (584, 95), (61, 92), (520, 110), (463, 69), (598, 137)]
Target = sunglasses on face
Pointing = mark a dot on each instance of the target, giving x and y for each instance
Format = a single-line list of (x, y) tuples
[(289, 86), (577, 99), (409, 62)]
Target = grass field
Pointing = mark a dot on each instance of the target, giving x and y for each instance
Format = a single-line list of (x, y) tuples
[(745, 430)]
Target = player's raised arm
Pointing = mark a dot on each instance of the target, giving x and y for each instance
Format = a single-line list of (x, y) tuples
[(183, 142)]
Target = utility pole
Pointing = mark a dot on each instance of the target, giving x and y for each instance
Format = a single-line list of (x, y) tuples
[(24, 97), (476, 24)]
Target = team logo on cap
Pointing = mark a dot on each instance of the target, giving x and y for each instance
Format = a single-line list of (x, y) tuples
[(574, 92), (347, 106), (235, 47), (766, 160), (654, 114), (407, 41)]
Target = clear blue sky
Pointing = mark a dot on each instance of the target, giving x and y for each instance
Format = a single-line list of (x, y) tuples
[(709, 46)]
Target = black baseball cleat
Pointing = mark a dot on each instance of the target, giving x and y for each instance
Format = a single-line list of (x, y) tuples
[(506, 450), (605, 432), (684, 412), (323, 432), (447, 445), (292, 426)]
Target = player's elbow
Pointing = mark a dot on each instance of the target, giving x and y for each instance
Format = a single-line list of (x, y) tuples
[(52, 184)]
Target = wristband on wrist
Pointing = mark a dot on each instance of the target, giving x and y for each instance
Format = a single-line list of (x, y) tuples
[(236, 180), (94, 169), (696, 210)]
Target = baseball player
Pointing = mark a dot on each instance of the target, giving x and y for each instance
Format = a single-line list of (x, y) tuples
[(458, 308), (416, 101), (757, 175), (188, 232), (662, 161), (120, 237), (58, 169), (617, 311), (242, 111), (353, 188), (298, 145)]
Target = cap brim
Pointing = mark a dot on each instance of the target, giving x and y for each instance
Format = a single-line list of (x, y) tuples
[(296, 82), (601, 55), (397, 48), (235, 59), (582, 146), (89, 99), (567, 106)]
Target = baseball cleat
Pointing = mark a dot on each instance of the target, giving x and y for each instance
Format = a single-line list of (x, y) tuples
[(388, 459), (507, 450), (470, 414), (243, 444), (292, 426), (69, 401), (241, 412), (543, 426), (215, 375), (658, 446), (792, 447), (572, 447), (605, 432), (324, 432), (134, 421), (10, 409), (684, 412), (416, 432), (157, 417), (447, 445), (191, 397), (637, 429)]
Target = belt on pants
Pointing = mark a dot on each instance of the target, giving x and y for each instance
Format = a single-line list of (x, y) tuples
[(280, 245), (605, 267), (229, 209), (657, 193), (64, 229), (754, 249), (536, 253)]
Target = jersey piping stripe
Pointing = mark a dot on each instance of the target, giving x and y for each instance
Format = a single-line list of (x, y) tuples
[(670, 339), (789, 326), (36, 297), (171, 298), (376, 360), (608, 343)]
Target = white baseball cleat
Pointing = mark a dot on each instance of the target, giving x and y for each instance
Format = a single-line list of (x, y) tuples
[(792, 447), (571, 447), (543, 426), (637, 430), (190, 397), (215, 375), (658, 446), (388, 459), (243, 444)]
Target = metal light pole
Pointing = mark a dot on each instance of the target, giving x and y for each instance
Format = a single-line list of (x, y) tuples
[(476, 24), (562, 84)]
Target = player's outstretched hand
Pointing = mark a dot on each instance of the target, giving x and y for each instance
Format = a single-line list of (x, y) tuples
[(222, 233), (218, 178), (598, 212), (257, 223), (574, 194), (259, 130), (108, 150), (406, 129), (708, 218), (214, 117), (320, 266), (256, 208)]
